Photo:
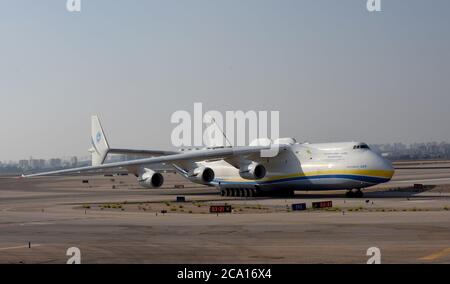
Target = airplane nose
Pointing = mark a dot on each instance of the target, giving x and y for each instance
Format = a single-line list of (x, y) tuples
[(382, 164), (387, 166), (390, 168)]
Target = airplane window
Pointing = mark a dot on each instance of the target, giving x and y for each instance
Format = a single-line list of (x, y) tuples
[(361, 146)]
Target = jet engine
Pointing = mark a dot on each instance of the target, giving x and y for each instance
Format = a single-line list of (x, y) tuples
[(252, 171), (151, 179), (203, 175)]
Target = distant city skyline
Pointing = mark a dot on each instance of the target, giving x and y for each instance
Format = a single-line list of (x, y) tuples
[(395, 151), (334, 71)]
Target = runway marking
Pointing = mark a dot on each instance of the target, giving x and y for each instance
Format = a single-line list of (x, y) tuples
[(35, 223), (421, 180), (20, 247), (418, 201), (231, 246), (437, 255)]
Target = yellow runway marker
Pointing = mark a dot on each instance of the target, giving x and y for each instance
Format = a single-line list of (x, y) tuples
[(437, 255)]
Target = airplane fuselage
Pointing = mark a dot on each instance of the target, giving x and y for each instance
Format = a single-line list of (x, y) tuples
[(325, 166)]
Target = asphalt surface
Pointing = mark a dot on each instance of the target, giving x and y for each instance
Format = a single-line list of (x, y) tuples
[(41, 218)]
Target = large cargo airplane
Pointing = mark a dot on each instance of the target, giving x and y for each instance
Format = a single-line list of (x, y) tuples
[(244, 172)]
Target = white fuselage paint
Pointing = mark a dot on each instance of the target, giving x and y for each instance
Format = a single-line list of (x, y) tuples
[(325, 166)]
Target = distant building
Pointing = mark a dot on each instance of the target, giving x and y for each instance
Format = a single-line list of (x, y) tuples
[(416, 151), (34, 164), (24, 164), (55, 163), (73, 161), (41, 164)]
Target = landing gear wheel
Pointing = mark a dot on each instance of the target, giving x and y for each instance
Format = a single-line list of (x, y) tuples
[(354, 193), (223, 192), (290, 193), (359, 193), (349, 194)]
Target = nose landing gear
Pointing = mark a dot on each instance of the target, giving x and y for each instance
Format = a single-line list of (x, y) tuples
[(357, 193)]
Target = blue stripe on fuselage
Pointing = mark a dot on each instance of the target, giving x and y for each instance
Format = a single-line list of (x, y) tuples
[(368, 179)]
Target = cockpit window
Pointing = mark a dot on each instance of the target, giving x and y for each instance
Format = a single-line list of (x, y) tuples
[(361, 146)]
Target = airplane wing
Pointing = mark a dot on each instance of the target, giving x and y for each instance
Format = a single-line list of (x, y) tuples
[(192, 156), (151, 153)]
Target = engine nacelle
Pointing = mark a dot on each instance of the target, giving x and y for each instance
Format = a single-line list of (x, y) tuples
[(202, 175), (252, 171), (151, 179)]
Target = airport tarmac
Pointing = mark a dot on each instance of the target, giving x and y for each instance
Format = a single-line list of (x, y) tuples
[(41, 218)]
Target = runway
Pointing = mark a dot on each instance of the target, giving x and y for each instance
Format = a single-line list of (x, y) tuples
[(41, 218)]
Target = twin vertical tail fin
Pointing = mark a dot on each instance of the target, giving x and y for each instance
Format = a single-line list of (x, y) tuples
[(100, 146)]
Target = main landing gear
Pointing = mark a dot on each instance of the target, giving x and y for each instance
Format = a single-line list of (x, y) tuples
[(255, 192), (357, 193), (240, 192)]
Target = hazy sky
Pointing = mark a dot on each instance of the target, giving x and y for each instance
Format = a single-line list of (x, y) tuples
[(333, 70)]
